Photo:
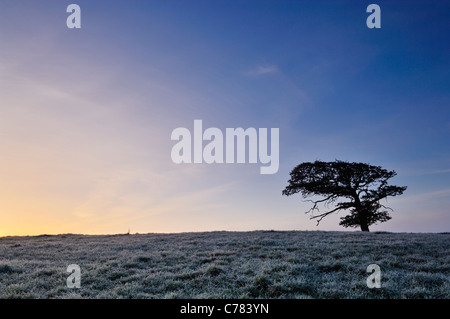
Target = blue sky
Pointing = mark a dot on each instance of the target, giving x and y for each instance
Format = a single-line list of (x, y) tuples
[(86, 114)]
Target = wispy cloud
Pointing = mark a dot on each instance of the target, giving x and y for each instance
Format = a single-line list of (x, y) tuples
[(262, 70), (428, 172), (423, 197), (442, 171)]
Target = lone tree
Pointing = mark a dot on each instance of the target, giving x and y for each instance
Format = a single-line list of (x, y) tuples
[(363, 186)]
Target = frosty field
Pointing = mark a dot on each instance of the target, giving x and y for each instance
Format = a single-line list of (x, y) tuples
[(259, 264)]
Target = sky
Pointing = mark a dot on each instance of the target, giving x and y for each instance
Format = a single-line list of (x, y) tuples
[(86, 115)]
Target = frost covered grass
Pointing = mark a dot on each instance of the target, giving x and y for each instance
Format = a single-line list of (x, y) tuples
[(259, 264)]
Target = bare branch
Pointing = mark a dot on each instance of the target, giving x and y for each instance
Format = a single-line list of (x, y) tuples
[(321, 216), (386, 207), (330, 198)]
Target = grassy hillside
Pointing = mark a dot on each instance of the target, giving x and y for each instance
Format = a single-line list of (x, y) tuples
[(260, 264)]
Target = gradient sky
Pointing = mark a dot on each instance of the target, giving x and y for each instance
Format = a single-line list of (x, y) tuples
[(86, 114)]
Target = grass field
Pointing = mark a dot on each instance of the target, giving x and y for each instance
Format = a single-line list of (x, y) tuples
[(259, 264)]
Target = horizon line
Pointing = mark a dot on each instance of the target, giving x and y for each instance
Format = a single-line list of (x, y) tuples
[(225, 231)]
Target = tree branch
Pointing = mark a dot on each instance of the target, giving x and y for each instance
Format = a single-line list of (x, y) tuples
[(328, 199), (386, 207), (321, 216)]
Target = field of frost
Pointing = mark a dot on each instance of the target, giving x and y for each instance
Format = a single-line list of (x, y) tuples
[(257, 264)]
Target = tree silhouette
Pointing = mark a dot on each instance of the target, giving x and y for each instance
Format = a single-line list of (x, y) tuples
[(363, 186)]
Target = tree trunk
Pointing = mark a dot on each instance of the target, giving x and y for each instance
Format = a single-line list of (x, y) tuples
[(364, 227), (362, 214), (363, 222)]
